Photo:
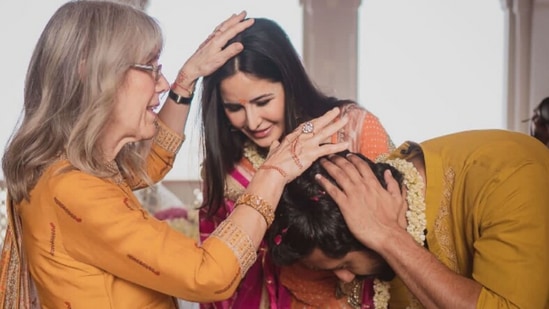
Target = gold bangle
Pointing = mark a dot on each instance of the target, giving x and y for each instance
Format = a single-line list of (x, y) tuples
[(259, 205)]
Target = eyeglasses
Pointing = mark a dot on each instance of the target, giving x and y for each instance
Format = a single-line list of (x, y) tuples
[(156, 69)]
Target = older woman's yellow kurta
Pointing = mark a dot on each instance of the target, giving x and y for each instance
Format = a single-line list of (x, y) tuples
[(90, 244), (488, 214)]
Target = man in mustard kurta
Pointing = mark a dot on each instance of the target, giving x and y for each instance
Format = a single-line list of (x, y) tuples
[(468, 227)]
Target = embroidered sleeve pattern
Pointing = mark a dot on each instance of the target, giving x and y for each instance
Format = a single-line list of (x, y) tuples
[(168, 139), (239, 242)]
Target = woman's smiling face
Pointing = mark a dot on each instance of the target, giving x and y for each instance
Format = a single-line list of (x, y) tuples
[(255, 107)]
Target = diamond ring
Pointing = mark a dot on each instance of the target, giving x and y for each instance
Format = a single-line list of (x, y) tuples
[(307, 127)]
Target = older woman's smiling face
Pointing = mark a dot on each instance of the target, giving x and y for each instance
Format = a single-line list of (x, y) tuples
[(134, 115)]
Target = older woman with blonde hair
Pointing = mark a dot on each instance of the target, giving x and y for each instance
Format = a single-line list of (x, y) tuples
[(77, 236)]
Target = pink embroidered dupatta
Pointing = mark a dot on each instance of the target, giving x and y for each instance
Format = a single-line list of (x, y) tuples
[(260, 287)]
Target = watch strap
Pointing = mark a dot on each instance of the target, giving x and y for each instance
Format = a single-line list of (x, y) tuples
[(180, 99)]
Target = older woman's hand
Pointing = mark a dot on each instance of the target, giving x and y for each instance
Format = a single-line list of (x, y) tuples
[(211, 55), (299, 149)]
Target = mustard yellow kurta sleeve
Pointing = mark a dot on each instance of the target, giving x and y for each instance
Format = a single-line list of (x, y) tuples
[(140, 248), (92, 235), (510, 257), (161, 157), (488, 216)]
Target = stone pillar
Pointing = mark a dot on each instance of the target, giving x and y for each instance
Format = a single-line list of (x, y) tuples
[(330, 45), (518, 31), (539, 85)]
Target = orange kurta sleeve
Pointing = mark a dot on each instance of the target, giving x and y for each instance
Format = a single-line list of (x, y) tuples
[(90, 244), (364, 132), (374, 140)]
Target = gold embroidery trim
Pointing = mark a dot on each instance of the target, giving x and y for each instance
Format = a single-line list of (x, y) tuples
[(239, 242), (168, 139), (442, 223), (257, 203)]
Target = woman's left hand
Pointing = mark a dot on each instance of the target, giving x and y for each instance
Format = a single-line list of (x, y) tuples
[(211, 55)]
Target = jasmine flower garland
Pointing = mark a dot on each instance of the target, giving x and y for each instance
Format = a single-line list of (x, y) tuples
[(251, 153), (417, 222)]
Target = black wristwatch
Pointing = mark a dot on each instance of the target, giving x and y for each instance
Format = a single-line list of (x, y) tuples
[(179, 99)]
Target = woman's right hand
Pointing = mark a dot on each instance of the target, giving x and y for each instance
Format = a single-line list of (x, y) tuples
[(211, 55), (299, 149)]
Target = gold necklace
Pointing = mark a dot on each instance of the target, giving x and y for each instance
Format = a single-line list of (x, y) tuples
[(352, 290), (417, 223)]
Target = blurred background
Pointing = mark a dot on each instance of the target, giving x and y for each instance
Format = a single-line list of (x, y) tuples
[(424, 67)]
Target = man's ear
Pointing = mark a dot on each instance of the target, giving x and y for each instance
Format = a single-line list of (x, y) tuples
[(544, 112)]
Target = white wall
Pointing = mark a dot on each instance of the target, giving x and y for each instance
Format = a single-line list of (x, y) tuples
[(21, 23), (431, 67), (427, 67)]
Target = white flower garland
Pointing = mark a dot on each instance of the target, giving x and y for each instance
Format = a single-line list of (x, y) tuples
[(417, 223), (381, 294), (251, 153)]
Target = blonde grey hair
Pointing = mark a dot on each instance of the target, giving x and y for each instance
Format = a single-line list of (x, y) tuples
[(79, 62), (140, 4)]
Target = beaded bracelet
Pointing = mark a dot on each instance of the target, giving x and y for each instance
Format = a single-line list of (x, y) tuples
[(259, 205)]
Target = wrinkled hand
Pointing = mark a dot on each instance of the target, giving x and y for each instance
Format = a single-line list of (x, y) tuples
[(299, 149), (370, 211), (211, 55)]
